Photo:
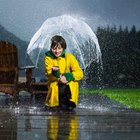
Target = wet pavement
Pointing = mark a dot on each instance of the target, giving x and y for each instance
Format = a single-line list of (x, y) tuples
[(95, 118)]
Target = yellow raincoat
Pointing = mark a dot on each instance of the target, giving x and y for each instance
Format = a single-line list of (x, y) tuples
[(69, 64)]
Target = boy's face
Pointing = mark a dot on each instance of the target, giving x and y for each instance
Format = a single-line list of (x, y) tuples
[(57, 50)]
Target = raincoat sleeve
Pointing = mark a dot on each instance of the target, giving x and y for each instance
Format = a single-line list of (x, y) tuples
[(75, 68), (48, 68)]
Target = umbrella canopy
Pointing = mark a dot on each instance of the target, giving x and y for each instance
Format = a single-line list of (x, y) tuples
[(81, 40)]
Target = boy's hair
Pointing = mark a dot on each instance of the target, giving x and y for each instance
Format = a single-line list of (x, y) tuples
[(56, 40)]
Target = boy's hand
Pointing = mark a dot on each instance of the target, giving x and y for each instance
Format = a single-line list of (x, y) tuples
[(63, 79), (55, 68)]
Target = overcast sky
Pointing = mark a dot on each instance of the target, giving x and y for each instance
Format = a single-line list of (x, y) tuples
[(24, 17)]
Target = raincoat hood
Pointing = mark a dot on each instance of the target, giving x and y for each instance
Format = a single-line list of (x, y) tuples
[(50, 54)]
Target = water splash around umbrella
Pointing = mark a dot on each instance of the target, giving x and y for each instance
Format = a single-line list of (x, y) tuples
[(81, 40)]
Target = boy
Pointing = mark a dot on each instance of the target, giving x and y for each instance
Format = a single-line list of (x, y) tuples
[(63, 72)]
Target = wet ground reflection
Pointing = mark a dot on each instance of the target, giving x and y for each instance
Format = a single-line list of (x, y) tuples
[(28, 120)]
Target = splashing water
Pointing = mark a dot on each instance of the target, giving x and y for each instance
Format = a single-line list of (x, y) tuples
[(93, 102)]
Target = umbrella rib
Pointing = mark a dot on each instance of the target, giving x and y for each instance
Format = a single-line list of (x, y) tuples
[(38, 57), (80, 54)]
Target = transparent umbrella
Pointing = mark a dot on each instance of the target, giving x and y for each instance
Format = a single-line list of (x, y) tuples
[(81, 40)]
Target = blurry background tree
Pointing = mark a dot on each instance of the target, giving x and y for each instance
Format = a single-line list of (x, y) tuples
[(120, 55)]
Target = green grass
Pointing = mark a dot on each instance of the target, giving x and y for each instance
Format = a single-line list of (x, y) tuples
[(128, 97)]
